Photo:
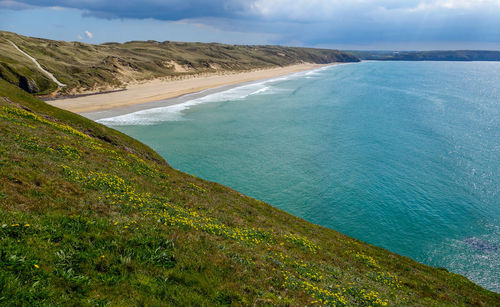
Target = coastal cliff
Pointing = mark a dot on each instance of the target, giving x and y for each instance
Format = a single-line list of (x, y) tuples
[(90, 216)]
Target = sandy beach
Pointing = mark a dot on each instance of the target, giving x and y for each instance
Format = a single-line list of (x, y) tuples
[(158, 89)]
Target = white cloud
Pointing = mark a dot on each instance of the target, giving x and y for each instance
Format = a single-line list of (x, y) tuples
[(88, 34), (466, 5), (79, 37), (14, 5), (57, 8), (325, 10)]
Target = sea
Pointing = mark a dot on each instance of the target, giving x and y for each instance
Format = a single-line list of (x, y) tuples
[(402, 155)]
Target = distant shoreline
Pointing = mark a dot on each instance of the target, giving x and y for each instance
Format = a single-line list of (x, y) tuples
[(157, 90)]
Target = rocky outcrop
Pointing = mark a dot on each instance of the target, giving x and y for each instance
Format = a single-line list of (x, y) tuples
[(28, 84)]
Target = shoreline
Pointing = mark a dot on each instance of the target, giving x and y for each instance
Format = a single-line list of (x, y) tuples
[(157, 91), (123, 110)]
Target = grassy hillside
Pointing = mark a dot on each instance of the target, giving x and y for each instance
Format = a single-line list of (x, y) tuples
[(90, 216), (85, 67), (446, 55)]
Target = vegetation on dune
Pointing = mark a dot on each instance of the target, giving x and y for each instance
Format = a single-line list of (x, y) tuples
[(90, 216), (86, 67)]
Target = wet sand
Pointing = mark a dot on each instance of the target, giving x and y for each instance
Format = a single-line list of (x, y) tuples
[(158, 90)]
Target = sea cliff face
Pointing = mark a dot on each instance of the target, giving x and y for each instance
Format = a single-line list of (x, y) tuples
[(91, 216)]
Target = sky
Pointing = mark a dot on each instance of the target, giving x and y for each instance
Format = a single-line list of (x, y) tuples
[(339, 24)]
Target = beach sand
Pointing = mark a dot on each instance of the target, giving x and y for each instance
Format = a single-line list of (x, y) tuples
[(156, 90)]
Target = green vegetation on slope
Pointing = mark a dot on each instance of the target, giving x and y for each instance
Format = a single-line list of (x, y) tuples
[(90, 216), (100, 67), (445, 55)]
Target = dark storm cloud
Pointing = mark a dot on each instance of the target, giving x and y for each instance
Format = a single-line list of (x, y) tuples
[(156, 9), (311, 22)]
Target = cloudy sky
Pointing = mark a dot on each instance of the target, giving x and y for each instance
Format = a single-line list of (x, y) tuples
[(343, 24)]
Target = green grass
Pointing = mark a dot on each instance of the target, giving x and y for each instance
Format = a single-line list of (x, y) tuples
[(436, 55), (90, 216), (100, 67)]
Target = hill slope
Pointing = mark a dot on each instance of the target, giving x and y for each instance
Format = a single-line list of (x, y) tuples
[(90, 216), (445, 55), (85, 67)]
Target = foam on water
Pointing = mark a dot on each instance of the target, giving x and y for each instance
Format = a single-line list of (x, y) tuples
[(175, 112)]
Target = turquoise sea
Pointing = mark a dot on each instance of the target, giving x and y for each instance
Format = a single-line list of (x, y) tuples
[(403, 155)]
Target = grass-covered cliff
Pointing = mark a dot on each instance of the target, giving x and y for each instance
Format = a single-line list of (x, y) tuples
[(86, 67), (433, 55), (90, 216)]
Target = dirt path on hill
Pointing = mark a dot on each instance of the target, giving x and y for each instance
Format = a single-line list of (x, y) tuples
[(51, 76)]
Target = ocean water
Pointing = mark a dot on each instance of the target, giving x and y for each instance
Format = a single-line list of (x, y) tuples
[(403, 155)]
